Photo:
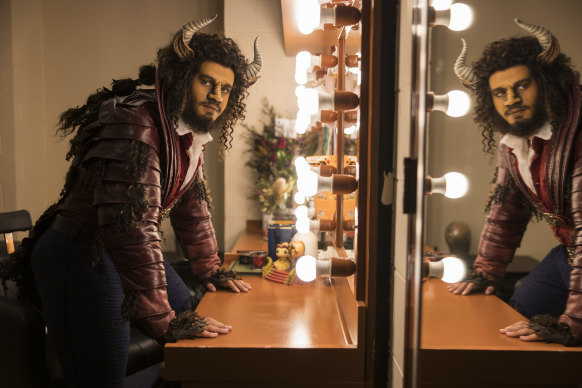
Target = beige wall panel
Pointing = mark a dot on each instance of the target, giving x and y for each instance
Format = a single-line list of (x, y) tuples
[(244, 20), (7, 173)]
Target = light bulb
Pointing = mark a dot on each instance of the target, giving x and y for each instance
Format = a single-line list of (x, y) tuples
[(451, 185), (461, 17), (307, 183), (441, 5), (459, 103), (299, 198), (299, 90), (305, 268), (454, 270), (449, 269), (308, 267), (301, 166), (307, 100), (455, 103), (309, 19), (303, 60), (350, 130), (301, 212), (301, 76), (302, 122), (457, 185)]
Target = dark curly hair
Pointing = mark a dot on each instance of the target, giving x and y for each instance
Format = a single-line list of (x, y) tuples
[(554, 80), (177, 75)]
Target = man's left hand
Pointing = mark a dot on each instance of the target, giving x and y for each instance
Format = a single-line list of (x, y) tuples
[(521, 330), (236, 285)]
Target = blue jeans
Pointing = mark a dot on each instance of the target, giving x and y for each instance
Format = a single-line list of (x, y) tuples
[(82, 308), (545, 289)]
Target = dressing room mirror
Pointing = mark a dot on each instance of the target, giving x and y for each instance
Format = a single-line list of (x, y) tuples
[(455, 143)]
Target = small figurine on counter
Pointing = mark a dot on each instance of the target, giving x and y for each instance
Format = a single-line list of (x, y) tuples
[(283, 253)]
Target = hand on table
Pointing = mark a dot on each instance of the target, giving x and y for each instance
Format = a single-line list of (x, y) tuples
[(235, 285), (465, 288), (213, 328), (522, 330), (189, 324)]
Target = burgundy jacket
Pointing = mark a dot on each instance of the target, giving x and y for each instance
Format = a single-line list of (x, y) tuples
[(136, 252), (507, 219)]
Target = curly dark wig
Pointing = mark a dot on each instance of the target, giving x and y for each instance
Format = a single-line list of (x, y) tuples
[(177, 75), (553, 79)]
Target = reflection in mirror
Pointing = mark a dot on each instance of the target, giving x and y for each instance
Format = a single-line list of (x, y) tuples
[(456, 144)]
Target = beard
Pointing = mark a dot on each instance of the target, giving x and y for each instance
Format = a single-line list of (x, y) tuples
[(198, 123), (523, 128)]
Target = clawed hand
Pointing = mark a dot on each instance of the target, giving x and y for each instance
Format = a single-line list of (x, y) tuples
[(522, 330), (213, 328), (236, 285), (465, 288)]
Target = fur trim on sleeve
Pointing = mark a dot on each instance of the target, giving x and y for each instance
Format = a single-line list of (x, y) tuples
[(548, 328)]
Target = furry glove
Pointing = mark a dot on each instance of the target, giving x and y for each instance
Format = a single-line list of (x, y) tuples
[(548, 328), (220, 277), (185, 325), (481, 280)]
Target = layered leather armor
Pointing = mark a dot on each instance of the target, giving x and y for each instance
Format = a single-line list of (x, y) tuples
[(109, 190), (510, 212)]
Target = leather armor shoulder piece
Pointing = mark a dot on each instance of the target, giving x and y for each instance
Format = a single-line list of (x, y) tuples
[(141, 133), (122, 110), (111, 193), (116, 171)]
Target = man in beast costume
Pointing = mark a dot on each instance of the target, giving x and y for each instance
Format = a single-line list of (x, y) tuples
[(95, 256), (527, 91)]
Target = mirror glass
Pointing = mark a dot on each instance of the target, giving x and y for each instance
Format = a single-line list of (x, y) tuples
[(454, 144)]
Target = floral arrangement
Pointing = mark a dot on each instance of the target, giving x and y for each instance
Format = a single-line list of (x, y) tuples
[(272, 160)]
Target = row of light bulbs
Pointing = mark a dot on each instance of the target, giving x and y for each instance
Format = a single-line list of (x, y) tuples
[(455, 103), (318, 101), (310, 69)]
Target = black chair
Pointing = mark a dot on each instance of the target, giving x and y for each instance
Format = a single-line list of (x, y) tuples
[(27, 358)]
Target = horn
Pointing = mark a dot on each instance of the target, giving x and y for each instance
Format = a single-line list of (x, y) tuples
[(550, 45), (252, 71), (182, 44), (465, 73)]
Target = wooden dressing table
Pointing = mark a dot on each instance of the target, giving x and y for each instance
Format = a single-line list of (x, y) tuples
[(282, 335), (461, 345)]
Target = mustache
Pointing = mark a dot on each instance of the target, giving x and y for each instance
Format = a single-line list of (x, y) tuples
[(213, 103), (513, 108)]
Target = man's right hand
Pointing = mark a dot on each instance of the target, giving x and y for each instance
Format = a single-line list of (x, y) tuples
[(189, 324)]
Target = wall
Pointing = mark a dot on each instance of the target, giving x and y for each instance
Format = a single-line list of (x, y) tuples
[(54, 54), (244, 20), (455, 143), (7, 163)]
